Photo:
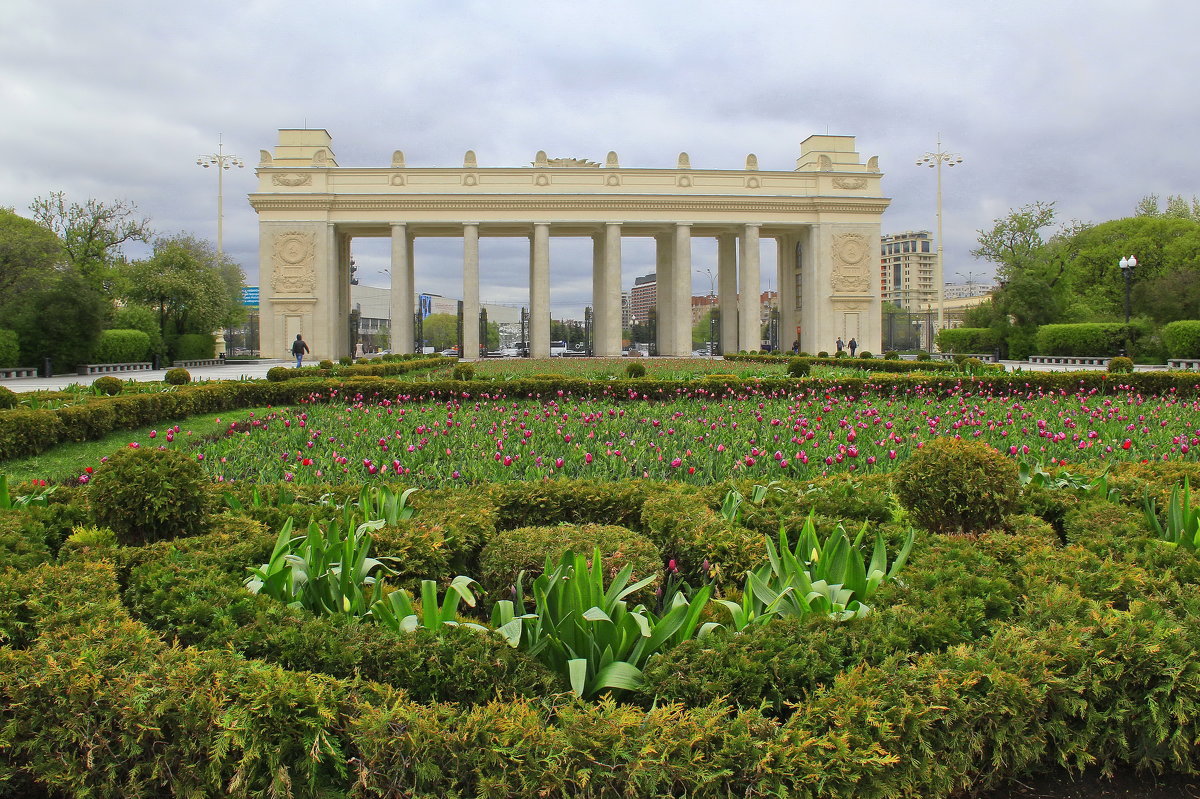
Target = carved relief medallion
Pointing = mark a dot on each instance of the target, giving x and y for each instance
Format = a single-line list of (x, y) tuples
[(293, 257), (851, 266), (291, 179), (850, 183)]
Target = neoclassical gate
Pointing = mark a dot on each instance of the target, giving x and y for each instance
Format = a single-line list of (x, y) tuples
[(824, 214)]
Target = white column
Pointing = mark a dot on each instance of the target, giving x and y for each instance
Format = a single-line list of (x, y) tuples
[(727, 291), (539, 291), (788, 318), (749, 326), (599, 294), (402, 291), (681, 295), (664, 287), (610, 323), (470, 292)]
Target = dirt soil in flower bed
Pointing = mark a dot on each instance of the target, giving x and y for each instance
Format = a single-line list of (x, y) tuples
[(1125, 784)]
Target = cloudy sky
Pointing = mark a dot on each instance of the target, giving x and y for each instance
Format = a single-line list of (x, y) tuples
[(1089, 104)]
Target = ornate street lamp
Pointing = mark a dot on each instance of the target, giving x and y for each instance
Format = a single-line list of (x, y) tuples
[(1127, 267), (932, 160), (222, 161), (712, 291)]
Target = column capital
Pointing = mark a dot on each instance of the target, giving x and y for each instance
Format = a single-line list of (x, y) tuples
[(754, 225), (398, 224)]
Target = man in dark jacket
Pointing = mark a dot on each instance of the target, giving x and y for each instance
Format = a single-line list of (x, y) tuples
[(299, 347)]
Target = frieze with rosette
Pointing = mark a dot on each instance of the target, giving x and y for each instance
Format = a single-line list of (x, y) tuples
[(291, 179), (293, 258), (851, 264)]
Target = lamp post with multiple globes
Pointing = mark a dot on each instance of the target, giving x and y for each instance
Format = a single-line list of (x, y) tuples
[(222, 161), (935, 160)]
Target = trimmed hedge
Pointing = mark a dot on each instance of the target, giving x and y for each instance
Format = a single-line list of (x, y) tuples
[(10, 349), (1090, 339), (1182, 339), (193, 347), (120, 346), (967, 339)]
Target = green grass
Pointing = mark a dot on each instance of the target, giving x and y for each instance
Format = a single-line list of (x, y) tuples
[(66, 462)]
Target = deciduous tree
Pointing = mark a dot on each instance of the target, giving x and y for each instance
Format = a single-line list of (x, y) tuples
[(92, 234)]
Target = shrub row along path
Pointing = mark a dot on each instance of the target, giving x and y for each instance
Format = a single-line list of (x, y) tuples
[(258, 369)]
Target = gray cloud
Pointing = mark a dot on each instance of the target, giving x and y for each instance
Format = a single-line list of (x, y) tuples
[(1085, 103)]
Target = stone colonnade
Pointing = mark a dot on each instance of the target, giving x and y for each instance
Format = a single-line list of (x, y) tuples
[(824, 216)]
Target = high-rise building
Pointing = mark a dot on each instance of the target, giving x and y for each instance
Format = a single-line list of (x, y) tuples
[(642, 298), (908, 263)]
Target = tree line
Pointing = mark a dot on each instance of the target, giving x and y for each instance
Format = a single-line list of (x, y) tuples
[(1051, 273), (65, 280)]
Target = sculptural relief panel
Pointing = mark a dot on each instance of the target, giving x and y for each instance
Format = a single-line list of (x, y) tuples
[(851, 264), (293, 259)]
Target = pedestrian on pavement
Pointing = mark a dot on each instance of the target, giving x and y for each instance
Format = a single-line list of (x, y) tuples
[(840, 344), (299, 347), (853, 346)]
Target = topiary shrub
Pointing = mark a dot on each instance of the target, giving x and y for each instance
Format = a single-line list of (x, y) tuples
[(966, 339), (148, 495), (178, 377), (1181, 339), (950, 485), (1087, 339), (108, 385), (635, 370), (463, 371), (277, 374), (325, 364), (865, 354), (799, 367), (525, 549), (973, 365), (841, 354), (922, 355), (7, 398), (345, 361), (120, 346), (10, 349), (1120, 365), (891, 356), (822, 354)]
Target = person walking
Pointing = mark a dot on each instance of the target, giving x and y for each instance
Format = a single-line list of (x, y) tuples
[(853, 345), (299, 347), (840, 344)]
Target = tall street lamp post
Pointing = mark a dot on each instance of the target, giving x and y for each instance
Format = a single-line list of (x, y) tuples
[(1127, 266), (222, 161), (935, 160)]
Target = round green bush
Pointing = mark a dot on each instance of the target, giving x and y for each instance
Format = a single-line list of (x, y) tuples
[(950, 486), (121, 346), (841, 354), (325, 364), (148, 495), (1120, 365), (1182, 338), (890, 355), (525, 549), (922, 355), (178, 377), (7, 398), (799, 367), (108, 385), (971, 364), (822, 354), (463, 371), (277, 374), (345, 361), (865, 354), (635, 370)]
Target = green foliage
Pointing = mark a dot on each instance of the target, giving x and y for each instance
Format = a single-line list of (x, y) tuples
[(1182, 518), (635, 370), (864, 354), (191, 289), (108, 385), (10, 349), (1182, 339), (8, 501), (120, 346), (510, 553), (1081, 339), (278, 373), (8, 398), (177, 377), (463, 371), (148, 495), (323, 571), (440, 331), (922, 355), (24, 432), (829, 579), (325, 364), (192, 347), (799, 367), (28, 253), (1120, 365), (583, 630), (966, 339), (951, 485), (59, 318), (132, 316), (396, 611)]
